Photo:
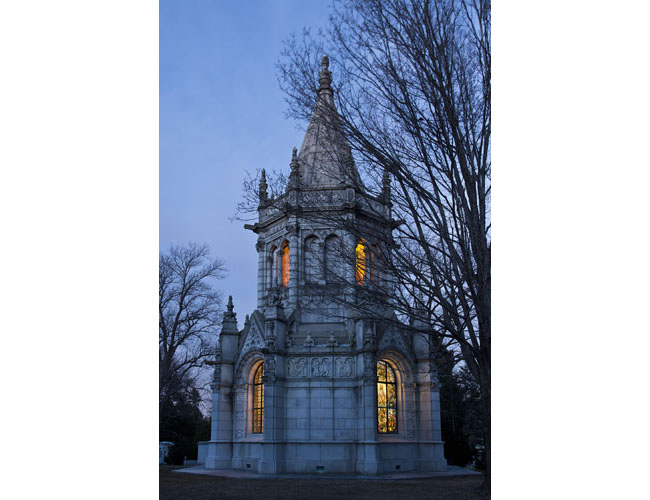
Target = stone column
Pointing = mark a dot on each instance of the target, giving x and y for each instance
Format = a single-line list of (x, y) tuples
[(432, 456), (220, 446), (368, 449), (272, 461), (262, 272)]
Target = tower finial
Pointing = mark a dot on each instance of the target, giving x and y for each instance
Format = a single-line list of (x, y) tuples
[(264, 195), (325, 75), (229, 314), (294, 175), (386, 185)]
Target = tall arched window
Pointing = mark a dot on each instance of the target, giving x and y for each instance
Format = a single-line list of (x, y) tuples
[(333, 251), (386, 398), (374, 249), (273, 280), (312, 262), (285, 263), (258, 400), (360, 261)]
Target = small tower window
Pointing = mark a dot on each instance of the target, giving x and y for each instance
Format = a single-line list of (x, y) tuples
[(285, 264), (360, 253), (386, 399), (258, 400)]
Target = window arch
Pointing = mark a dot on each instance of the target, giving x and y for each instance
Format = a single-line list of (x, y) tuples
[(272, 267), (312, 262), (360, 261), (284, 264), (333, 252), (386, 399), (258, 400)]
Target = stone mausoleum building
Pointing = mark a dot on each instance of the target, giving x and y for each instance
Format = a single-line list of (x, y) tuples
[(310, 384)]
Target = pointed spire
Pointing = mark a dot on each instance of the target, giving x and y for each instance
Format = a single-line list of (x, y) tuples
[(385, 186), (325, 157), (264, 195), (325, 75), (229, 314), (294, 175)]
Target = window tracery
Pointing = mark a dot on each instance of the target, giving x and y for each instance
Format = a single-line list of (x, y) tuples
[(360, 261), (386, 398), (285, 263), (258, 400)]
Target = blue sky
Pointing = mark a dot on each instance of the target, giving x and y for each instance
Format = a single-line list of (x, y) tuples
[(221, 114)]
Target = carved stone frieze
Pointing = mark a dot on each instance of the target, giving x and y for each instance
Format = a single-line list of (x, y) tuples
[(320, 367), (297, 367), (344, 367)]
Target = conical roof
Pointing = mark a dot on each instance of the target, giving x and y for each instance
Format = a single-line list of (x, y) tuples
[(325, 157)]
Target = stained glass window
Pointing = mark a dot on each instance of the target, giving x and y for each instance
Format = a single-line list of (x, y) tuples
[(285, 264), (258, 400), (386, 398), (360, 253)]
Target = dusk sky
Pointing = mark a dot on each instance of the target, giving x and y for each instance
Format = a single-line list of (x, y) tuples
[(222, 114)]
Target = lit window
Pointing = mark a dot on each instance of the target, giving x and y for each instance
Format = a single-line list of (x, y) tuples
[(386, 399), (285, 264), (258, 400), (360, 261)]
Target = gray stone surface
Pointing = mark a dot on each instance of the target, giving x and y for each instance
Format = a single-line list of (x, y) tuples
[(319, 355)]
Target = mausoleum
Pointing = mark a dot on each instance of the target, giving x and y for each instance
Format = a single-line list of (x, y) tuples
[(311, 383)]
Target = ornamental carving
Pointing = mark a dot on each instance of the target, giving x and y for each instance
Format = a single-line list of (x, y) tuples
[(344, 367), (321, 198), (269, 369), (320, 367), (297, 367)]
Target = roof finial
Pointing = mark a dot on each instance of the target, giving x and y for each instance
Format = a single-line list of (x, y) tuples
[(229, 314), (325, 75), (263, 187), (294, 175), (385, 191)]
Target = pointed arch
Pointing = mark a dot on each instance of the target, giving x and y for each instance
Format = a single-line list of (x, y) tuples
[(387, 398), (313, 267), (258, 399), (333, 252), (360, 261), (284, 263), (272, 268)]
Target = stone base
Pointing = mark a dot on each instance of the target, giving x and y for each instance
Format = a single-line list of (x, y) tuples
[(327, 457)]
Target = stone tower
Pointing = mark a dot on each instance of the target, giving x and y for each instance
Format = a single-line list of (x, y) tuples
[(314, 383)]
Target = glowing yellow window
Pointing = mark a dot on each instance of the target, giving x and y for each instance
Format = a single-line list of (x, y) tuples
[(285, 265), (360, 252), (258, 400), (386, 399)]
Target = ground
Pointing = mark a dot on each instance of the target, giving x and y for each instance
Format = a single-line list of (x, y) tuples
[(193, 486)]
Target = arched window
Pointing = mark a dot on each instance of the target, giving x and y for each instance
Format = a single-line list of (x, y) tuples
[(374, 249), (360, 261), (386, 398), (285, 263), (312, 262), (272, 267), (258, 400), (333, 252)]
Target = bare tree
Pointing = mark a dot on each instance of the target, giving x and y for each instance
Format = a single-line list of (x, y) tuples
[(188, 318), (413, 96)]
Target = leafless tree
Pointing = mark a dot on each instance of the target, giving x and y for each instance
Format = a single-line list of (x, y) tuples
[(188, 318), (412, 89)]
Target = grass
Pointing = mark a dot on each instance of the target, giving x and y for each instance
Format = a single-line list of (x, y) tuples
[(193, 486)]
